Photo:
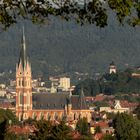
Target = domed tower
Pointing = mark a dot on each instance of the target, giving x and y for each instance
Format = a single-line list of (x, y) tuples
[(23, 83)]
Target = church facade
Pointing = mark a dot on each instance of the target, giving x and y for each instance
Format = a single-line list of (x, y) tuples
[(53, 106)]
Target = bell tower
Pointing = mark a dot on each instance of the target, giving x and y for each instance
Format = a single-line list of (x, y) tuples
[(23, 83)]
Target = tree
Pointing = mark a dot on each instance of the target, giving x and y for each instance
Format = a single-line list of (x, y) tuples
[(108, 137), (126, 127), (44, 129), (97, 129), (47, 131), (121, 82), (137, 111), (94, 12), (61, 132), (2, 129), (6, 117), (82, 126)]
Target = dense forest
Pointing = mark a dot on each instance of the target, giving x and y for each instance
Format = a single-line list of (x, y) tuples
[(60, 47), (110, 84)]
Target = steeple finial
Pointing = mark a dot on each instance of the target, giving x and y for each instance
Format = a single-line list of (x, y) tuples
[(23, 54)]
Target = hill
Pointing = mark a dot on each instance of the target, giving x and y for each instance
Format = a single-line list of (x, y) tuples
[(60, 47)]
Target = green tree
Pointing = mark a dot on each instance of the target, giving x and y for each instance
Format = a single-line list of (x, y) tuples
[(7, 118), (82, 126), (98, 129), (126, 127), (61, 132), (93, 12), (2, 129), (47, 131), (44, 129), (137, 111), (108, 137), (7, 115)]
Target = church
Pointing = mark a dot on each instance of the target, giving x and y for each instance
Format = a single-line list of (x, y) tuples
[(52, 106)]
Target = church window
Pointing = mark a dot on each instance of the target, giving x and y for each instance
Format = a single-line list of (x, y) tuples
[(79, 116), (34, 115), (28, 98), (49, 116), (23, 83), (41, 115), (21, 98), (55, 116), (74, 116)]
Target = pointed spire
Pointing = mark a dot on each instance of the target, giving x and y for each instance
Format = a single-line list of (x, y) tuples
[(82, 101), (23, 54), (69, 98)]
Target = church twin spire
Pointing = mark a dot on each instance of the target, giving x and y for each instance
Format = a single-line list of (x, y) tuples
[(23, 59)]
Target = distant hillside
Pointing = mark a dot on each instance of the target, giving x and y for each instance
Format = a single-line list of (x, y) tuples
[(66, 47)]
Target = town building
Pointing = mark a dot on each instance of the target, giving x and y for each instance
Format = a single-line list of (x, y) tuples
[(64, 83), (44, 105), (117, 108), (61, 83), (112, 68)]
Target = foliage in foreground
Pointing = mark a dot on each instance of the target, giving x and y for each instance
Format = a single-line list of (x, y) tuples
[(126, 127), (47, 131), (6, 118), (93, 12)]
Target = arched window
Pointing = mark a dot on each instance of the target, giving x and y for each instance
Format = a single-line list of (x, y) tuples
[(34, 115), (74, 116), (28, 98), (23, 83), (21, 98), (41, 115), (49, 116), (55, 116)]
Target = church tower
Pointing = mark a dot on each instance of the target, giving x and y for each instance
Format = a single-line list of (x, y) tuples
[(23, 83)]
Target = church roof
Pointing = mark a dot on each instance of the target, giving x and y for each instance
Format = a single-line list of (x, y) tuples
[(56, 101), (23, 54), (49, 100)]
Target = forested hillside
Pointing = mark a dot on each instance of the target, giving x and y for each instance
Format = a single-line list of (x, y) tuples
[(61, 46), (110, 84)]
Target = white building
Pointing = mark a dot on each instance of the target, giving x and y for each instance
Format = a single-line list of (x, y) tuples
[(64, 83), (112, 68)]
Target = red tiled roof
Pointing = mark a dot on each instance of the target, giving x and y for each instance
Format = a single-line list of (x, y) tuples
[(126, 104), (101, 124), (99, 98), (98, 136), (6, 105), (22, 130), (75, 135)]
